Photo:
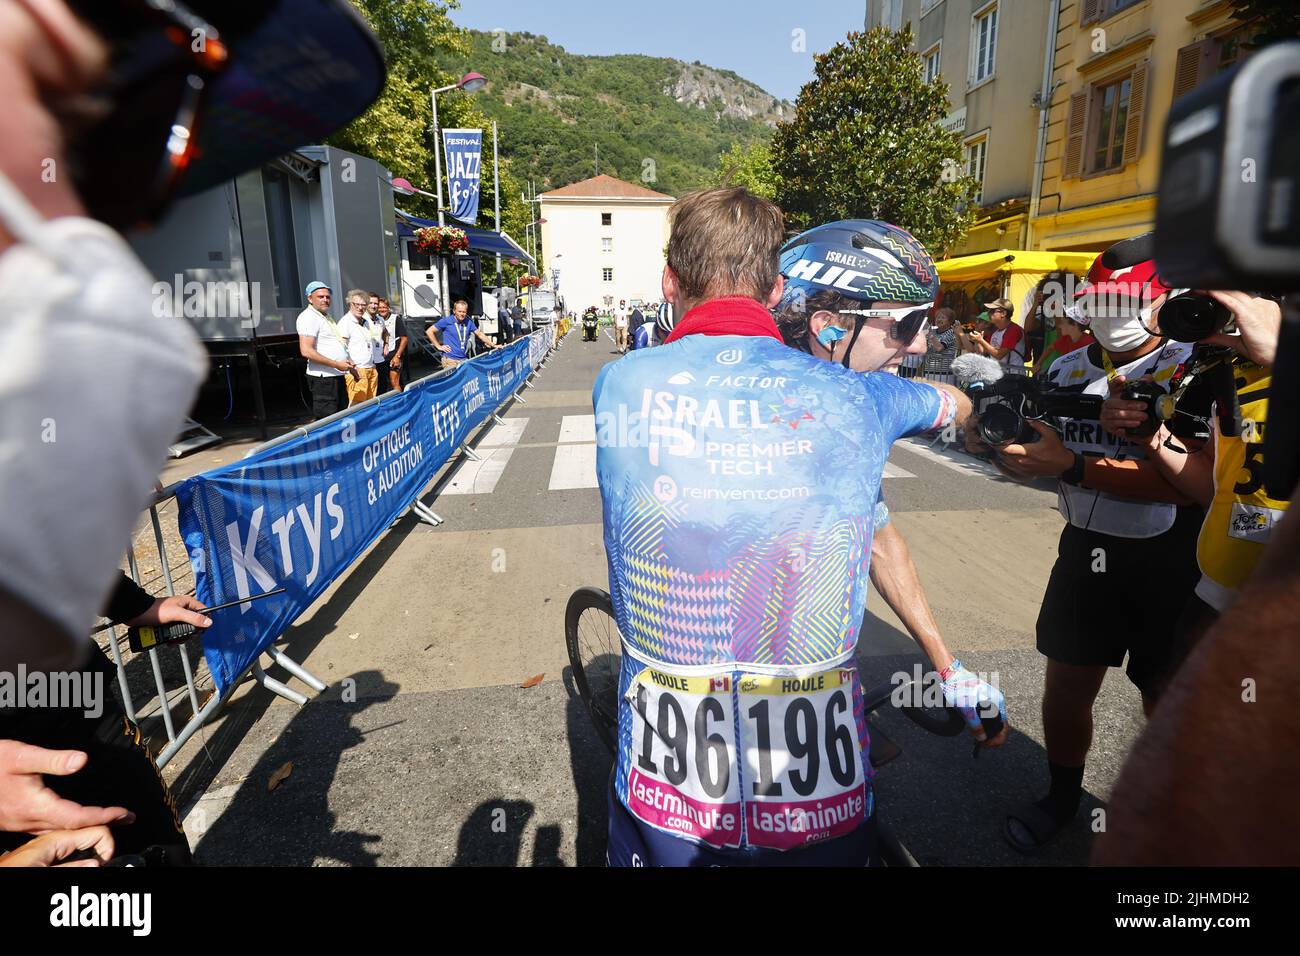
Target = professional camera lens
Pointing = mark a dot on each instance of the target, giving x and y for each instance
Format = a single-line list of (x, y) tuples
[(1190, 317), (999, 424)]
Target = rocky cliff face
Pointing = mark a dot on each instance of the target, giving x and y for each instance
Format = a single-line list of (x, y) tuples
[(726, 95)]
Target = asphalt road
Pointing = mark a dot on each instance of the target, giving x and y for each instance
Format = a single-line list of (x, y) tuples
[(425, 749)]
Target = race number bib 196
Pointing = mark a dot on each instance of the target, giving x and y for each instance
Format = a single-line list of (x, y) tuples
[(799, 760), (683, 769), (803, 760)]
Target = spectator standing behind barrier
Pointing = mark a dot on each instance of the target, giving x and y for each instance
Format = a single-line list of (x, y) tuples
[(1070, 335), (454, 335), (324, 344), (941, 344), (381, 346), (395, 342), (518, 317), (362, 335), (505, 322), (1006, 342)]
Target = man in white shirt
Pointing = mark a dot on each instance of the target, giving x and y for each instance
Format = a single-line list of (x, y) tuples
[(620, 325), (365, 336), (323, 343)]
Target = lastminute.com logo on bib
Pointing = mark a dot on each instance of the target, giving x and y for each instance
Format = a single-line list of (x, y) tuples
[(730, 357)]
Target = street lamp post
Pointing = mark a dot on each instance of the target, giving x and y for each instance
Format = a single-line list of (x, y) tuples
[(470, 83)]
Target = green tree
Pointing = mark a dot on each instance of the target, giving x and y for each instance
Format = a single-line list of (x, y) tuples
[(749, 166), (865, 142), (1277, 19), (397, 130)]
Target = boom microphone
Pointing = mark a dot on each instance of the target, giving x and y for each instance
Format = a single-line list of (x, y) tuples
[(1129, 252), (973, 369)]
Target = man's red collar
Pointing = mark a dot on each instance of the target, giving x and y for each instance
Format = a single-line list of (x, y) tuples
[(730, 315)]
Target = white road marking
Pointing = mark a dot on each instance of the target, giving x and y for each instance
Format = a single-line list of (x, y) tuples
[(494, 451), (506, 434), (893, 471), (963, 464), (478, 477), (578, 428), (575, 467)]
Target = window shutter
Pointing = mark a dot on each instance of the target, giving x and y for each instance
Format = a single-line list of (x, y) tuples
[(1195, 65), (1137, 108), (1076, 125), (1091, 11)]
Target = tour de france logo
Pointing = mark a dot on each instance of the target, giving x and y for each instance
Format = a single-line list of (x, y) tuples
[(665, 488), (730, 357)]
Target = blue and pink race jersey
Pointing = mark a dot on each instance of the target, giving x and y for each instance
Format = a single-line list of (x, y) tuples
[(739, 478)]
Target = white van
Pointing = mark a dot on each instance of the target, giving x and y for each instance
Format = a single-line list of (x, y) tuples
[(541, 307)]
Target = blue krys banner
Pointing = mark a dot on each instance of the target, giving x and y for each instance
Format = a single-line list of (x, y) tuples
[(296, 515), (464, 149)]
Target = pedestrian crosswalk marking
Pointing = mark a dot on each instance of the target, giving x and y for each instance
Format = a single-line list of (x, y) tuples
[(494, 451), (578, 428), (574, 467)]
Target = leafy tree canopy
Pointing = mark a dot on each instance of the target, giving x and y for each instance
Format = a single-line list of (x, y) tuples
[(865, 143)]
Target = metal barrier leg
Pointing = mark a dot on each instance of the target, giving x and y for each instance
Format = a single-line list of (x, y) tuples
[(469, 453), (296, 669), (423, 513), (275, 687), (189, 730), (121, 674), (496, 417), (519, 398)]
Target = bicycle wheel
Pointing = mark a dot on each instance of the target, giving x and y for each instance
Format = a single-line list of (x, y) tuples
[(595, 654)]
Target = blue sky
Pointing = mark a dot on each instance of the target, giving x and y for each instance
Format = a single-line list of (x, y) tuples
[(751, 37)]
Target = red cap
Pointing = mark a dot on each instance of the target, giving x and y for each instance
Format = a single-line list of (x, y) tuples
[(1140, 281)]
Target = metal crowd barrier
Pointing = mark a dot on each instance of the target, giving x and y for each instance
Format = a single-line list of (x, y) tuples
[(194, 682)]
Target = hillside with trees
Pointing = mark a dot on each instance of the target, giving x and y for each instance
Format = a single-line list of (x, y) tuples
[(658, 122)]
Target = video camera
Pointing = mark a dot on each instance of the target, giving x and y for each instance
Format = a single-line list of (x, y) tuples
[(1228, 217), (1005, 404)]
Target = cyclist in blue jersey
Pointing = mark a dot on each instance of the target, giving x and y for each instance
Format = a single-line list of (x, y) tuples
[(865, 332), (739, 479)]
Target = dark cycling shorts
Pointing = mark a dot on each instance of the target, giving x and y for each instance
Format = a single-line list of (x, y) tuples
[(1094, 618), (633, 844)]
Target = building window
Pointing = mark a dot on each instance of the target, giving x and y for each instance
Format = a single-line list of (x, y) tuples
[(607, 219), (1094, 10), (606, 244), (1201, 61), (976, 153), (984, 43), (1112, 122), (1104, 125), (928, 5), (930, 59), (607, 274)]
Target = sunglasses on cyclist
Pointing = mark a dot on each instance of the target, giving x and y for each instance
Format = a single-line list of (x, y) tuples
[(906, 323), (130, 159)]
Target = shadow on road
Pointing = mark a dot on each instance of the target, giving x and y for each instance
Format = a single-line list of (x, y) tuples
[(293, 825)]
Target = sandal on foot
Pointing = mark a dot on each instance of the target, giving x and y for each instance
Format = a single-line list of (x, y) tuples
[(1030, 828)]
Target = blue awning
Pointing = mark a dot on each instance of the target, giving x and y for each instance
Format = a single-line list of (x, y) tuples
[(480, 240)]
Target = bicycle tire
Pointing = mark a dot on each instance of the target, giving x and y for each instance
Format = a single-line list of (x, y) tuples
[(598, 686)]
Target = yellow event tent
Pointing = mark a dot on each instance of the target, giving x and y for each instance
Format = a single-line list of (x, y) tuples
[(970, 281)]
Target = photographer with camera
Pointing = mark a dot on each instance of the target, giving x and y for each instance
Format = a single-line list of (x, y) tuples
[(1129, 533), (1235, 335)]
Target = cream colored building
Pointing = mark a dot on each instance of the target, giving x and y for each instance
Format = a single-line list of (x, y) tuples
[(1118, 66), (991, 54), (607, 240)]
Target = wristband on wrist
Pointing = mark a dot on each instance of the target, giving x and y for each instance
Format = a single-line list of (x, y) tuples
[(1074, 474), (951, 669)]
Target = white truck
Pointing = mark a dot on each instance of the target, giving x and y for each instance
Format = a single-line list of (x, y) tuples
[(541, 307)]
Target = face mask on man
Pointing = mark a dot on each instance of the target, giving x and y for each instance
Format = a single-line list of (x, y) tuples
[(96, 387), (1121, 333)]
